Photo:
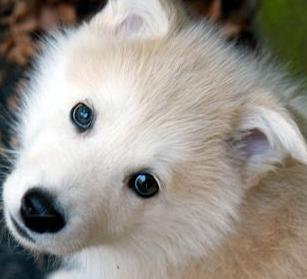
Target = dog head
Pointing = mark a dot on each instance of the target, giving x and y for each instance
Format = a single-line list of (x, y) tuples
[(142, 128)]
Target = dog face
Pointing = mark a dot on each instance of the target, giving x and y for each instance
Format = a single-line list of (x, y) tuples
[(137, 133)]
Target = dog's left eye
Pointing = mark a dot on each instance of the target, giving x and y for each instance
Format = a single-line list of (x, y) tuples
[(82, 116), (144, 184)]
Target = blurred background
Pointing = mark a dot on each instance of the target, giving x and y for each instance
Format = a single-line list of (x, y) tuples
[(277, 25)]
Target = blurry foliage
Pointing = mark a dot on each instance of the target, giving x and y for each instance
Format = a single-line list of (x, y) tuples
[(282, 26)]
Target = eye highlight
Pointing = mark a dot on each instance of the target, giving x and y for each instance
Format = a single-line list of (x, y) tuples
[(143, 184), (82, 116)]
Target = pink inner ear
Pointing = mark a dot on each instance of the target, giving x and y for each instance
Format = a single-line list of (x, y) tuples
[(131, 25), (255, 143)]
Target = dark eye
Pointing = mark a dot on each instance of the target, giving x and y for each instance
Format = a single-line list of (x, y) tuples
[(144, 184), (82, 116)]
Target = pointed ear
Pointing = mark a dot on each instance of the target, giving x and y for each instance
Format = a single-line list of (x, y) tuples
[(265, 139), (127, 19)]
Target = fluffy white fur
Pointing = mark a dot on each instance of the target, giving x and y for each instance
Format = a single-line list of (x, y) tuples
[(171, 97)]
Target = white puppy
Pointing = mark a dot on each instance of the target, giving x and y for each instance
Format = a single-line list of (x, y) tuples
[(150, 149)]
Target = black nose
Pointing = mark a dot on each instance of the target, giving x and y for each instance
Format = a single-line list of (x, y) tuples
[(39, 212)]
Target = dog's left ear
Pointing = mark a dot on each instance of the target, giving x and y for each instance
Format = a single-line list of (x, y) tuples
[(128, 19), (264, 140)]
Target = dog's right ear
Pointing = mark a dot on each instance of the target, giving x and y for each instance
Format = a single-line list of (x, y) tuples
[(130, 19)]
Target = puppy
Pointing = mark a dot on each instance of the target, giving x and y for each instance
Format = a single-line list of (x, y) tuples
[(151, 149)]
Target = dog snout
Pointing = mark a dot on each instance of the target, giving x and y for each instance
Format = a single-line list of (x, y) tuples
[(39, 212)]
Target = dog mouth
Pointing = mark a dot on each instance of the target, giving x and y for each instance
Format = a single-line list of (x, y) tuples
[(21, 231)]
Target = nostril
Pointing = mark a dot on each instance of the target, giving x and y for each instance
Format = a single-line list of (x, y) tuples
[(39, 212)]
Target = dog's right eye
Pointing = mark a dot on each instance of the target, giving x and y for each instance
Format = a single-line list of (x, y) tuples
[(82, 116)]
